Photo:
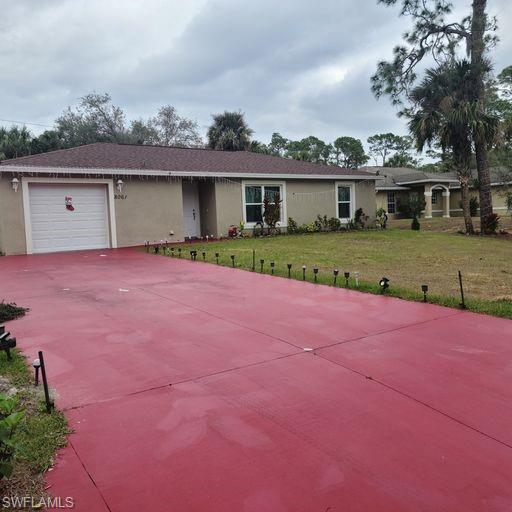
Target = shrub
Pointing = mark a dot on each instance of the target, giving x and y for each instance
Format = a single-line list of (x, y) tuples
[(10, 311), (9, 420), (292, 226), (508, 201), (257, 230), (360, 218), (381, 217), (415, 224), (321, 223), (412, 206), (272, 211), (490, 223), (334, 224)]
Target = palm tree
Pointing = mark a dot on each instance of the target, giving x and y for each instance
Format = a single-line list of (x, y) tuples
[(446, 113), (229, 132)]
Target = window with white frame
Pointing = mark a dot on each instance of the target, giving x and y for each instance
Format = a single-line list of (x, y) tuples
[(391, 202), (345, 201), (254, 195)]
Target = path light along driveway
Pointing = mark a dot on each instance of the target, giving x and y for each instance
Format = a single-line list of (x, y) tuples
[(193, 388)]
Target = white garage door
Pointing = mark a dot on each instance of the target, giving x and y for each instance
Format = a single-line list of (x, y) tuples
[(68, 217)]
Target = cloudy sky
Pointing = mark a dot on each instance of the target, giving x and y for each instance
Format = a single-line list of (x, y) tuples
[(300, 67)]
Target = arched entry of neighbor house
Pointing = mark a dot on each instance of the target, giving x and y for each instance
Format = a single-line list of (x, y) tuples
[(445, 201)]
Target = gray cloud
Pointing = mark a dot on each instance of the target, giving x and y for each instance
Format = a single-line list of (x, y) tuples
[(295, 66)]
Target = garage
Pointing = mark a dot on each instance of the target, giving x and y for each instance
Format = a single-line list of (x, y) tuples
[(68, 217)]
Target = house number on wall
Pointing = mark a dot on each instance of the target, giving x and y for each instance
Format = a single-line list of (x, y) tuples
[(120, 196)]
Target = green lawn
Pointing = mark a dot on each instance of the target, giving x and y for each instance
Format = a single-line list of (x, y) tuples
[(37, 437), (408, 258)]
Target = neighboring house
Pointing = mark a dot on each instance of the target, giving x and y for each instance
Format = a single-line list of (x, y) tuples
[(441, 191), (114, 195)]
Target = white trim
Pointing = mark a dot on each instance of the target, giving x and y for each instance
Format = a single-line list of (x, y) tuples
[(385, 189), (448, 180), (262, 183), (352, 199), (428, 194), (25, 182), (18, 169)]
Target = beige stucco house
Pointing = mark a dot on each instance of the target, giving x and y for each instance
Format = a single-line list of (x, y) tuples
[(115, 195), (441, 191)]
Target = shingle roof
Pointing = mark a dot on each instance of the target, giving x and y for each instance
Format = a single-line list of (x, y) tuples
[(175, 160), (393, 177)]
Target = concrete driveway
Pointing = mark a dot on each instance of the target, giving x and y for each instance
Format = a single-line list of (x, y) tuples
[(194, 388)]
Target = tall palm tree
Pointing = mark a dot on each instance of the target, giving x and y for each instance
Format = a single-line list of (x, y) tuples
[(229, 132), (446, 113)]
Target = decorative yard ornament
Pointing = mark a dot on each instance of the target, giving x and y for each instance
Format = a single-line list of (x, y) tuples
[(424, 289), (68, 201), (384, 284)]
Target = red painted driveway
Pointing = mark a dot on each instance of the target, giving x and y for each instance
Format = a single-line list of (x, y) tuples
[(189, 390)]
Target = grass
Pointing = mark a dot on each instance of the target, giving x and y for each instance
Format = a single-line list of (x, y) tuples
[(38, 436), (409, 259)]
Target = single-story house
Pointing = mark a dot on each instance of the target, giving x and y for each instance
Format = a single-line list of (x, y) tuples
[(117, 195), (441, 191)]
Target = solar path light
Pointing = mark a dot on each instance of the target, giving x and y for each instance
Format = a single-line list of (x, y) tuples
[(384, 284), (424, 289), (335, 273)]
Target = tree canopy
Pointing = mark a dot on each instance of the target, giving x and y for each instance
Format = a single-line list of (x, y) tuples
[(229, 132)]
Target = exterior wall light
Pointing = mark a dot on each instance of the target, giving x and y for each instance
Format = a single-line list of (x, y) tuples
[(15, 182), (119, 185)]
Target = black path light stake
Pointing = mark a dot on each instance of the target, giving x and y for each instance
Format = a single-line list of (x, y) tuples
[(191, 255), (179, 252), (272, 265), (463, 302), (262, 262), (384, 284), (315, 273), (303, 272), (289, 266), (36, 364), (347, 275), (172, 252), (49, 403), (253, 260), (335, 272), (233, 260), (424, 289), (217, 257), (204, 255)]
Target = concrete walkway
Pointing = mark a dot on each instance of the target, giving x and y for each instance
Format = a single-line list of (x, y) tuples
[(198, 388)]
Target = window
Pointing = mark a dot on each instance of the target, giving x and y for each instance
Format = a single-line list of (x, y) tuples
[(391, 202), (345, 202), (254, 195), (434, 196)]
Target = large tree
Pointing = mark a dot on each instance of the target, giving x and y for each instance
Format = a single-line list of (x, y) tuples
[(14, 142), (386, 145), (311, 149), (434, 35), (444, 113), (167, 128), (229, 132), (95, 119), (349, 152)]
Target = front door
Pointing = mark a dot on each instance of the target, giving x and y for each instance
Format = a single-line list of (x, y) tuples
[(191, 218)]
